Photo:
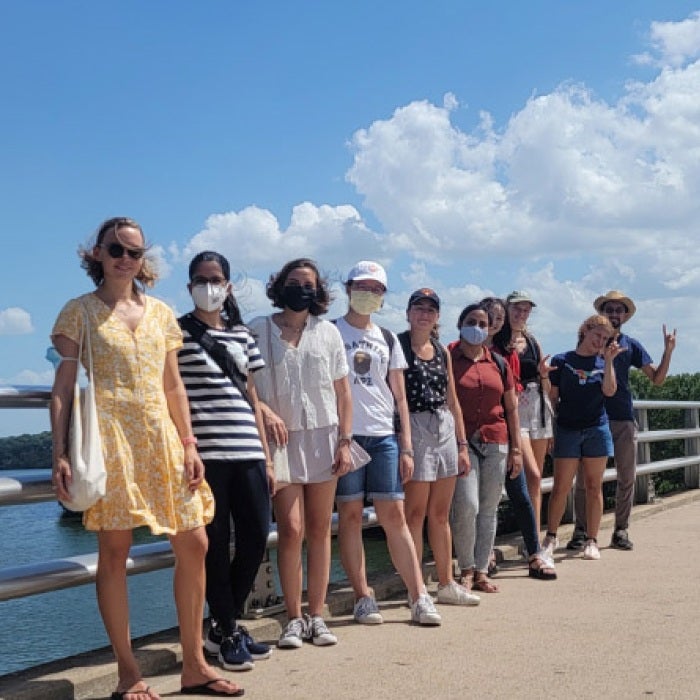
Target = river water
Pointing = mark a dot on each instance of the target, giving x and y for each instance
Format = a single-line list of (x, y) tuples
[(54, 625)]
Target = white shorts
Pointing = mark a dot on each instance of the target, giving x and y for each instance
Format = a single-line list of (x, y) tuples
[(530, 413)]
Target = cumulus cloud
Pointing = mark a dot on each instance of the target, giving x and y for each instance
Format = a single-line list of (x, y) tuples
[(253, 238), (573, 196), (15, 321), (673, 42)]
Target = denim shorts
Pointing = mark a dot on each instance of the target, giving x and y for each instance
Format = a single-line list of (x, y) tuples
[(379, 479), (588, 442)]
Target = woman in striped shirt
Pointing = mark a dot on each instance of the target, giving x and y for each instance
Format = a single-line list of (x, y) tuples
[(227, 423)]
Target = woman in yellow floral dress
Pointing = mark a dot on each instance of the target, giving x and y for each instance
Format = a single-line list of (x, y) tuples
[(154, 474)]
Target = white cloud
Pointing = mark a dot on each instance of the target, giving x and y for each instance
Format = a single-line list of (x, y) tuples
[(254, 238), (15, 321), (571, 197), (673, 42)]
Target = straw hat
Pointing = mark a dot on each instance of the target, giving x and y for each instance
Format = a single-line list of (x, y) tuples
[(614, 295)]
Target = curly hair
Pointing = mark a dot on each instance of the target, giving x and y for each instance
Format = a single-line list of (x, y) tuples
[(593, 322), (147, 275), (279, 280)]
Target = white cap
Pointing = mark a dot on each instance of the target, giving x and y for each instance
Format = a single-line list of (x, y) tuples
[(368, 270)]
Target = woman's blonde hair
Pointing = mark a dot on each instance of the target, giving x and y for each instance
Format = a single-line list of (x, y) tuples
[(147, 275), (593, 322)]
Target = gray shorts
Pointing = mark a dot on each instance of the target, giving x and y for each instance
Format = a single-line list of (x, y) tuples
[(434, 445), (530, 413)]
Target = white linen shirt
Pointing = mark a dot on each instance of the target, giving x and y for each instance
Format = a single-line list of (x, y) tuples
[(305, 397)]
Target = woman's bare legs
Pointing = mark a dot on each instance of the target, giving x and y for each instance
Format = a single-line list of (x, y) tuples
[(288, 505), (564, 472), (318, 509), (113, 602), (534, 452), (352, 550), (190, 547), (417, 494), (593, 468), (400, 543), (439, 531)]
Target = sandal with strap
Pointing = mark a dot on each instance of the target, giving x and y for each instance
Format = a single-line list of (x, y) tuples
[(482, 584), (541, 569)]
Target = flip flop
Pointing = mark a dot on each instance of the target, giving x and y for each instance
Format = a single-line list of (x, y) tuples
[(206, 689), (121, 694)]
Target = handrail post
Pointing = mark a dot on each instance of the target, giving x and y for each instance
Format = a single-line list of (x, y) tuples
[(691, 474), (644, 484)]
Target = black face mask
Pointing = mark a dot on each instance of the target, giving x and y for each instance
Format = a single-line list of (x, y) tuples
[(298, 298)]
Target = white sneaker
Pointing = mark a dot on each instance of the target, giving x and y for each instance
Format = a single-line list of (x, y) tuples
[(591, 551), (318, 631), (366, 611), (549, 544), (294, 634), (423, 611), (454, 594)]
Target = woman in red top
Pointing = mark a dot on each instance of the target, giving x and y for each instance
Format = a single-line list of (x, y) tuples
[(490, 415)]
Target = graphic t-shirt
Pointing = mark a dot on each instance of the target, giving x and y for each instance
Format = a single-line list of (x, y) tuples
[(580, 382), (369, 360)]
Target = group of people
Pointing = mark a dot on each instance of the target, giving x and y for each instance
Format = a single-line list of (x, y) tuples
[(206, 421)]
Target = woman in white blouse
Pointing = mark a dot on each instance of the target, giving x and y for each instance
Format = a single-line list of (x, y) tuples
[(307, 411)]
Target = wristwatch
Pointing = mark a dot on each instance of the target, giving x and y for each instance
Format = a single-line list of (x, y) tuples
[(344, 439), (408, 453)]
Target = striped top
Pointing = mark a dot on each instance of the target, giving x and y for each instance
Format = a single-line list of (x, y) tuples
[(222, 419)]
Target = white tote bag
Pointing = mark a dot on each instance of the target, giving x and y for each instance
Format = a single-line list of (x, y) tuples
[(89, 478)]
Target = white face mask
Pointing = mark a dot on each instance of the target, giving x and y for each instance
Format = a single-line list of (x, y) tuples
[(365, 303), (209, 297)]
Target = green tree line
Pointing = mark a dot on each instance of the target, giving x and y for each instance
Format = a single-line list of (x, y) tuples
[(26, 451), (34, 451)]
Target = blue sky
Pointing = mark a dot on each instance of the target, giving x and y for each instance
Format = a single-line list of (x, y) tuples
[(473, 147)]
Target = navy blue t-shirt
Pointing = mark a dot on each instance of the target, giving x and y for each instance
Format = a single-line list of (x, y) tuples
[(580, 382), (619, 406)]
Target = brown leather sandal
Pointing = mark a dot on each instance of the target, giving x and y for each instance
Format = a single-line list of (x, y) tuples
[(482, 583)]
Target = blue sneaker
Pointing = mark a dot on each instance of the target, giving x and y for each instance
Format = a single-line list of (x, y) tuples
[(258, 650), (233, 654)]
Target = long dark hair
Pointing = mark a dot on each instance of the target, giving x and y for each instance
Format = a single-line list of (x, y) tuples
[(231, 313)]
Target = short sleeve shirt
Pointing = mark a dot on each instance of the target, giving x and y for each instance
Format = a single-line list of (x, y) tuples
[(480, 388), (222, 419), (303, 394), (580, 382), (619, 406), (369, 360)]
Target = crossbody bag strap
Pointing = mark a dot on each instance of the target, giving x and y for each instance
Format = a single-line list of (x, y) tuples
[(217, 351)]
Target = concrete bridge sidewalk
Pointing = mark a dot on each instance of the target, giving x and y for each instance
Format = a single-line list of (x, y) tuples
[(627, 626)]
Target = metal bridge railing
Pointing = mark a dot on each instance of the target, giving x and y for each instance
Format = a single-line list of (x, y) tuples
[(55, 574)]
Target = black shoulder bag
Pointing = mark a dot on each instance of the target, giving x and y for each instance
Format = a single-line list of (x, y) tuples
[(199, 332)]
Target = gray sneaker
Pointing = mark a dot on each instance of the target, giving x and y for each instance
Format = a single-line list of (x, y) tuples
[(319, 633), (423, 611), (366, 611), (294, 634), (621, 540)]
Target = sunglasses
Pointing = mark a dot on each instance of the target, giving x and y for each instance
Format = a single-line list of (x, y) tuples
[(117, 250)]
